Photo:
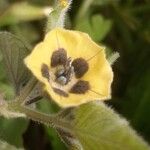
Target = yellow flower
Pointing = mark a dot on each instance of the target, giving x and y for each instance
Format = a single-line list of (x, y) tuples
[(72, 67)]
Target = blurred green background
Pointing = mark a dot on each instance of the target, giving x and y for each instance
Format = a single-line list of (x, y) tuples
[(122, 26)]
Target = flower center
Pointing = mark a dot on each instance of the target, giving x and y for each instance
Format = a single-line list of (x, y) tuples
[(65, 75)]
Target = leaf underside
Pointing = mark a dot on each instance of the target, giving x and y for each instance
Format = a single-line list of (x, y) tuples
[(13, 52)]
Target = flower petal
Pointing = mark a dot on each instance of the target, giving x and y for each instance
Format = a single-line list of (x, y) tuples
[(77, 45), (100, 76)]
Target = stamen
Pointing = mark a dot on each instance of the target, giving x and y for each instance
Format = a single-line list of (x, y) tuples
[(64, 74), (62, 80)]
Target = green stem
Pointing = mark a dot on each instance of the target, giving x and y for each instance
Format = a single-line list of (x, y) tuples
[(27, 90), (50, 120), (57, 16)]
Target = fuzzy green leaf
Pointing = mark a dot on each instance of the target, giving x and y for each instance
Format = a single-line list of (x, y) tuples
[(97, 127), (13, 52)]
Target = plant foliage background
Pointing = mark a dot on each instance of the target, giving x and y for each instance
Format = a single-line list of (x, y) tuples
[(121, 26)]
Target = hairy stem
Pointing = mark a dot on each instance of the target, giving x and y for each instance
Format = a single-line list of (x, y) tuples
[(49, 120)]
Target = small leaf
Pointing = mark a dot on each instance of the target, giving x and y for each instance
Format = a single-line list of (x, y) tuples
[(13, 52), (97, 127), (97, 27)]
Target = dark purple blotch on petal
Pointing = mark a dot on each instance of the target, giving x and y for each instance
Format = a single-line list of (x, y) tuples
[(81, 87), (80, 67), (59, 57), (45, 71), (60, 92)]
